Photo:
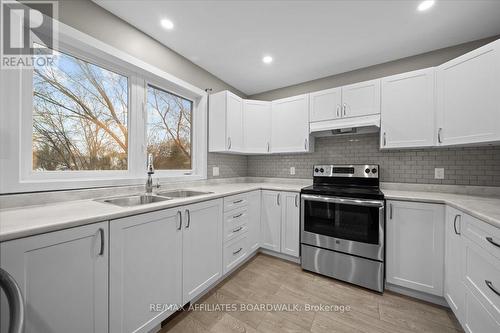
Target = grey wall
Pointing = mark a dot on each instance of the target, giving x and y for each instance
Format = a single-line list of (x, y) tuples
[(229, 165), (463, 166), (420, 61)]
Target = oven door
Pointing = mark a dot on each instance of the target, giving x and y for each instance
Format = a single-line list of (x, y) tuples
[(353, 226)]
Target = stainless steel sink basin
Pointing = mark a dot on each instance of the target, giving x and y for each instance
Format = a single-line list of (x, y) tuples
[(181, 193), (134, 200)]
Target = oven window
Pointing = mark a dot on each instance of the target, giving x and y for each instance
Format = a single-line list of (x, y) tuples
[(350, 222)]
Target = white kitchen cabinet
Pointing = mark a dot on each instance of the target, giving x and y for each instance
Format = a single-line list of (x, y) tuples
[(454, 289), (201, 247), (361, 99), (290, 125), (477, 319), (254, 215), (63, 277), (325, 105), (145, 269), (408, 110), (290, 224), (225, 122), (257, 127), (415, 246), (271, 221), (468, 101)]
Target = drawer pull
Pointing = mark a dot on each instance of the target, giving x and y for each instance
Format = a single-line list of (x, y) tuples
[(238, 201), (490, 285), (455, 223), (237, 229), (489, 239), (237, 215), (237, 251)]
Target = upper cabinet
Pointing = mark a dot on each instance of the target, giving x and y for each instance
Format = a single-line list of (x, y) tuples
[(361, 99), (225, 122), (325, 105), (257, 127), (468, 99), (290, 125), (407, 118)]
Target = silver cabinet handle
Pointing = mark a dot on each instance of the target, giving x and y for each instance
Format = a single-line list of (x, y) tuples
[(439, 135), (236, 216), (237, 229), (229, 142), (278, 199), (188, 218), (305, 144), (490, 285), (237, 201), (179, 215), (237, 251), (268, 147), (101, 236), (345, 110), (15, 302), (296, 200), (489, 239), (455, 223), (338, 111), (385, 139), (390, 211)]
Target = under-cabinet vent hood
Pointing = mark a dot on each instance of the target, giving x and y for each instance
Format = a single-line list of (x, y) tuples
[(354, 125)]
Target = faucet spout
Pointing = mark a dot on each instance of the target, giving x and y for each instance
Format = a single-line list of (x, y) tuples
[(150, 171)]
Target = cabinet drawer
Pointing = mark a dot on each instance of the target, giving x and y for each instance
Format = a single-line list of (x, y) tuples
[(483, 234), (235, 223), (477, 318), (482, 277), (235, 252), (235, 201)]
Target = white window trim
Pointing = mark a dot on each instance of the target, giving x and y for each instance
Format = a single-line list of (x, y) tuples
[(16, 113)]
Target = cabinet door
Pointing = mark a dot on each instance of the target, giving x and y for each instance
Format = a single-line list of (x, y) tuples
[(454, 289), (290, 125), (407, 115), (325, 105), (361, 99), (63, 277), (253, 221), (145, 269), (271, 220), (234, 123), (468, 101), (415, 246), (202, 247), (290, 224), (257, 126)]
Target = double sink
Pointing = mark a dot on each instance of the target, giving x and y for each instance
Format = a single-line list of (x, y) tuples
[(144, 199)]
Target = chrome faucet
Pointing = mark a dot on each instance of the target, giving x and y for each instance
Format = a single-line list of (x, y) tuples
[(151, 171)]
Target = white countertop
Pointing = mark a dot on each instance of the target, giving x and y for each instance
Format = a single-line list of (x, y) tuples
[(31, 220)]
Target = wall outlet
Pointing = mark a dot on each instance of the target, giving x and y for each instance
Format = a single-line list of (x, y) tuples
[(292, 170), (215, 171), (439, 173)]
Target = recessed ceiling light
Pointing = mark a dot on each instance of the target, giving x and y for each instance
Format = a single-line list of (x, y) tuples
[(424, 5), (267, 59), (167, 24)]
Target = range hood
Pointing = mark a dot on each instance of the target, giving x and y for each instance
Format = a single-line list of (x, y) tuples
[(354, 125)]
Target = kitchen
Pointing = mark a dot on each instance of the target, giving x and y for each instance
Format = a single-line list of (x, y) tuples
[(276, 169)]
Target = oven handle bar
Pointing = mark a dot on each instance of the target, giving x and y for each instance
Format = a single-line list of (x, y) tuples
[(345, 201)]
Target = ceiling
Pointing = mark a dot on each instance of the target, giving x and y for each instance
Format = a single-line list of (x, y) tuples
[(307, 39)]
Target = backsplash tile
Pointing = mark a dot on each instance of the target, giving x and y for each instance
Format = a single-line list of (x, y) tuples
[(463, 166), (229, 165)]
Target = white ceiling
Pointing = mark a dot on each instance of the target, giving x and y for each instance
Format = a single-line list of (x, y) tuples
[(308, 39)]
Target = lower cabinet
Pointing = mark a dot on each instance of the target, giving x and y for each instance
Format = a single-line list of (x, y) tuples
[(280, 225), (146, 262), (63, 277), (415, 246)]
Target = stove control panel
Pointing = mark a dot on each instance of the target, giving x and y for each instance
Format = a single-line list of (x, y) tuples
[(357, 170)]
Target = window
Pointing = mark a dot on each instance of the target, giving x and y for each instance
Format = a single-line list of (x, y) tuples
[(80, 117), (169, 122)]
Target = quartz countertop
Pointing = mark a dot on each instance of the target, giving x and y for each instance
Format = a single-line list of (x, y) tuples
[(32, 220)]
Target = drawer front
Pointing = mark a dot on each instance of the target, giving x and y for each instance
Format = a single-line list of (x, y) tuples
[(482, 277), (235, 218), (235, 252), (235, 231), (483, 234), (235, 201), (477, 318)]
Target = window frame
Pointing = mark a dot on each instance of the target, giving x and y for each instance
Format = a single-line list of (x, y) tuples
[(16, 164)]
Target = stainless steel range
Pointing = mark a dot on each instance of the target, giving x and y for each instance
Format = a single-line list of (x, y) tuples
[(342, 224)]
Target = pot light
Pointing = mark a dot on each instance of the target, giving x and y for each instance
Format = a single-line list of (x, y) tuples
[(167, 24), (267, 59), (425, 5)]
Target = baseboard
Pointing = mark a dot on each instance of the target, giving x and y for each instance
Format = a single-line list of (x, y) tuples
[(417, 294), (280, 255)]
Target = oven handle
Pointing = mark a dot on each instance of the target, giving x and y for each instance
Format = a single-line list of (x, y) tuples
[(346, 201)]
